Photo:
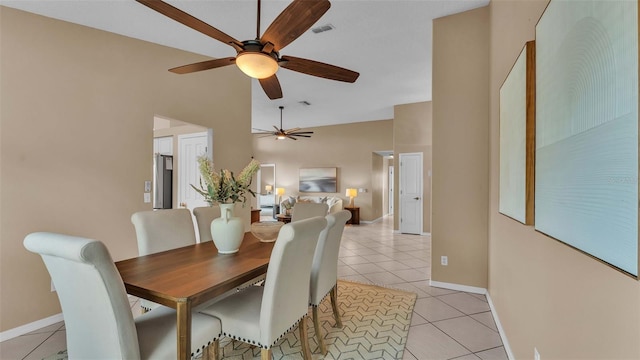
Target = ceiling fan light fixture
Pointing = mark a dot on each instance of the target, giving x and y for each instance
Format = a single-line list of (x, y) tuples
[(257, 65), (280, 137)]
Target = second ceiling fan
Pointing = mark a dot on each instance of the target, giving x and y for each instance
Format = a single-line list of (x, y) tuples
[(260, 58), (282, 134)]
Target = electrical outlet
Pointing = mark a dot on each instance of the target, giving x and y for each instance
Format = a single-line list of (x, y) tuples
[(444, 260), (147, 197), (147, 185), (536, 354)]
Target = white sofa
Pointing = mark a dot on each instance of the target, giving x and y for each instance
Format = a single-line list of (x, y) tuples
[(334, 203)]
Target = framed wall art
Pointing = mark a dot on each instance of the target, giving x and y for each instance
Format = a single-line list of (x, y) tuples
[(586, 187), (322, 180), (517, 138)]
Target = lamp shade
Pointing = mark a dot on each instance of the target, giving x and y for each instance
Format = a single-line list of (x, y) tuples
[(351, 193), (268, 188), (279, 191), (256, 64)]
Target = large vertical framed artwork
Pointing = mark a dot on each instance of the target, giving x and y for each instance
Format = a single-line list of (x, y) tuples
[(517, 138), (586, 188)]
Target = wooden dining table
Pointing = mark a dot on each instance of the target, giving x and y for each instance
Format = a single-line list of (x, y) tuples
[(186, 277)]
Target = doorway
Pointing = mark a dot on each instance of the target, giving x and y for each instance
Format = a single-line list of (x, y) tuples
[(185, 141), (411, 191), (266, 191)]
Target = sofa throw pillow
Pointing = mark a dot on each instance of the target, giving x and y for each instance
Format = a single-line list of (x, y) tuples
[(324, 200)]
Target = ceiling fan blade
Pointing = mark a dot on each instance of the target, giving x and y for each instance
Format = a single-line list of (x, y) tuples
[(318, 69), (291, 130), (271, 87), (293, 21), (291, 137), (190, 21), (205, 65), (302, 133), (263, 130)]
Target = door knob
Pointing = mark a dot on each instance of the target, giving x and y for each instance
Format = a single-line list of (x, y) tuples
[(416, 198), (183, 204)]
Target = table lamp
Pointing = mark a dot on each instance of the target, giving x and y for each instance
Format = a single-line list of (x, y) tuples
[(268, 189), (279, 192), (351, 193)]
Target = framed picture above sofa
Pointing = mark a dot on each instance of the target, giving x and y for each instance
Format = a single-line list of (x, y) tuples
[(322, 180)]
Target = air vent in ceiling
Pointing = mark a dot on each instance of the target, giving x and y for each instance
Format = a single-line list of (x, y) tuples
[(322, 28)]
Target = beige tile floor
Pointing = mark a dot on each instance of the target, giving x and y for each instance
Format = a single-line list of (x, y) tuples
[(446, 324)]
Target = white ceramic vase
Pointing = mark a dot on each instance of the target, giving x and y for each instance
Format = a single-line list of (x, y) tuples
[(227, 231)]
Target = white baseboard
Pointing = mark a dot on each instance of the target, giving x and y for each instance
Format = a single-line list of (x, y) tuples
[(423, 234), (482, 291), (372, 221), (458, 287), (27, 328), (503, 336)]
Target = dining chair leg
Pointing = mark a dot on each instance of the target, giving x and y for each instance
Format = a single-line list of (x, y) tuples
[(304, 339), (265, 354), (319, 335), (212, 352), (334, 305)]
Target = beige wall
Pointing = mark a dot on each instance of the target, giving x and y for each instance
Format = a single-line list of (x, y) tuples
[(547, 295), (412, 128), (76, 138), (348, 147), (460, 147)]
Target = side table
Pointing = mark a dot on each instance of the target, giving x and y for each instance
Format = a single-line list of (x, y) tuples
[(355, 215), (284, 218), (255, 215)]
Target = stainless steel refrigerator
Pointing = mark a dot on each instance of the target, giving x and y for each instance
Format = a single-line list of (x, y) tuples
[(163, 181)]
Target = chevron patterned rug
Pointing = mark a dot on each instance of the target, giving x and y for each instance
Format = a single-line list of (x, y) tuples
[(375, 324)]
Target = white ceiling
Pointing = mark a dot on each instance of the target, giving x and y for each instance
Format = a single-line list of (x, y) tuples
[(388, 42)]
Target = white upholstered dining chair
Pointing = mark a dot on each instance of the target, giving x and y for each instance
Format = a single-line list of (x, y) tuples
[(324, 271), (262, 315), (97, 315), (204, 216), (306, 210), (162, 230)]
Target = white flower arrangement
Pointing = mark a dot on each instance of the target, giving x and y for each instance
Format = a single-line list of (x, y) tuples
[(223, 187)]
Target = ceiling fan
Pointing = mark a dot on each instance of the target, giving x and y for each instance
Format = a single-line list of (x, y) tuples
[(282, 134), (260, 58)]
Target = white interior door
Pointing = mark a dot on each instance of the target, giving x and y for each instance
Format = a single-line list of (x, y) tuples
[(190, 147), (391, 189), (411, 193)]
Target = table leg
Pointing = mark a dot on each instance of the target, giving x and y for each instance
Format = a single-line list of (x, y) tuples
[(183, 313)]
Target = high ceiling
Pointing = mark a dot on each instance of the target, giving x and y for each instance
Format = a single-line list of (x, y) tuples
[(388, 42)]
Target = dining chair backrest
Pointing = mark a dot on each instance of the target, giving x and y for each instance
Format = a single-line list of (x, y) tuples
[(324, 271), (204, 216), (97, 314), (285, 299), (163, 230), (306, 210)]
